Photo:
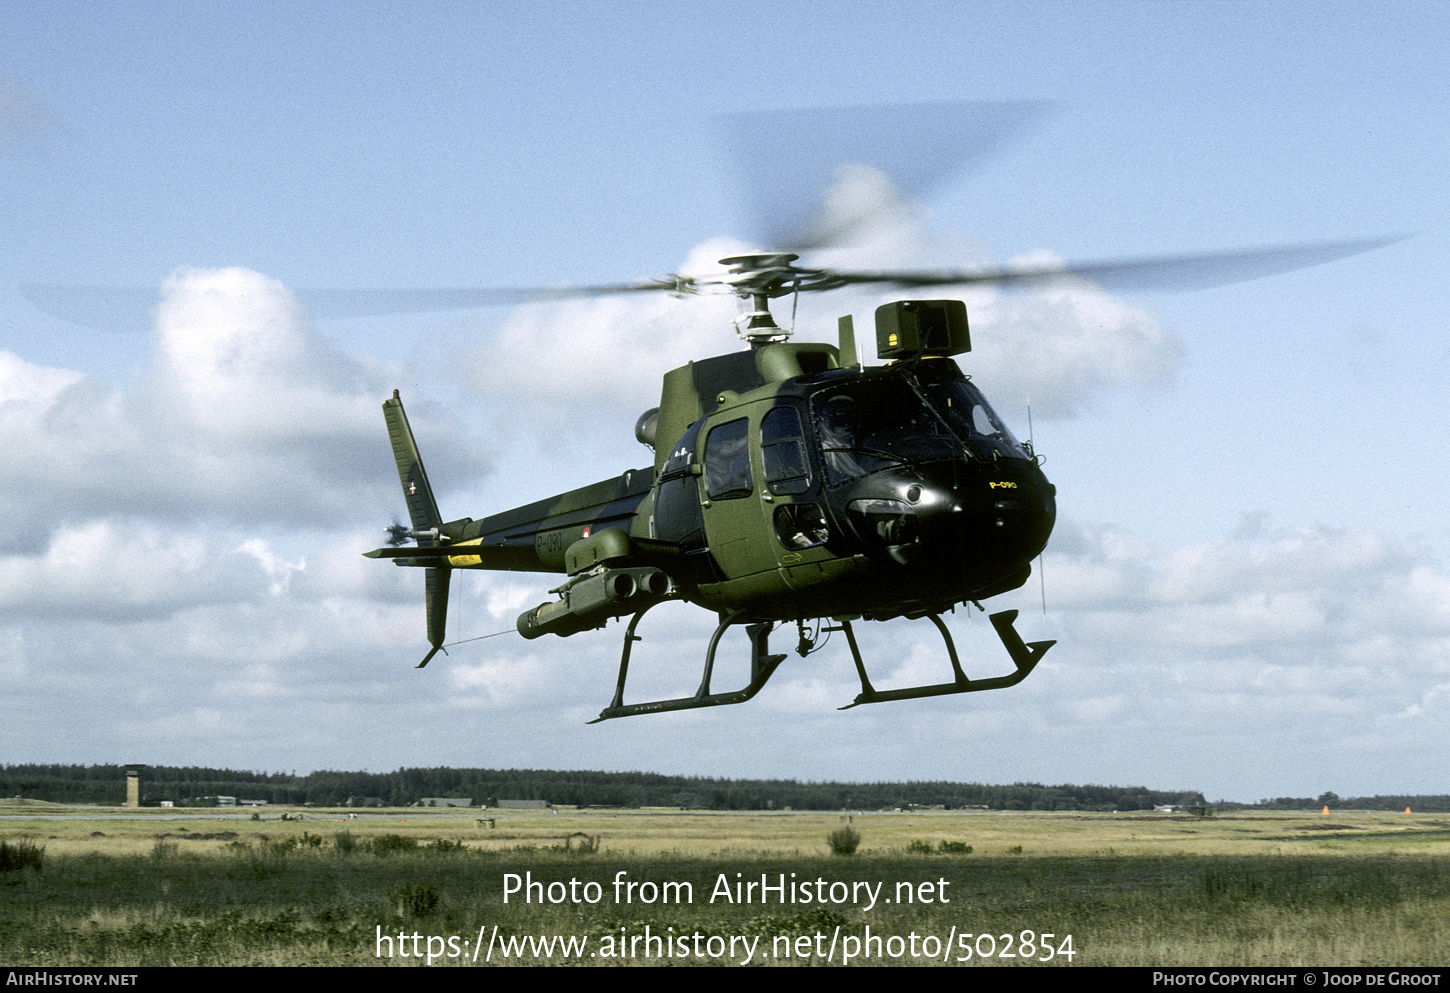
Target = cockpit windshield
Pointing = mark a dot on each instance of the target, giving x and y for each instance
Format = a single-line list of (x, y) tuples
[(974, 419), (873, 424)]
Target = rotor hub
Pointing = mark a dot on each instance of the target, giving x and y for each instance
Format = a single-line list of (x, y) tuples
[(759, 278)]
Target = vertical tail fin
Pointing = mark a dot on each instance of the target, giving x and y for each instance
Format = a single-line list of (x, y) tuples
[(422, 509), (423, 513)]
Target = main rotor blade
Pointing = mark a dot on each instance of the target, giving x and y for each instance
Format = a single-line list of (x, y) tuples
[(104, 308), (790, 159), (345, 304), (122, 308), (1173, 272)]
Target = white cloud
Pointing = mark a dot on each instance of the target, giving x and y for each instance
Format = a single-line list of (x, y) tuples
[(279, 571), (1291, 559), (557, 361), (22, 383), (96, 569), (1294, 617), (1063, 346), (239, 361), (500, 682), (1097, 566), (248, 414)]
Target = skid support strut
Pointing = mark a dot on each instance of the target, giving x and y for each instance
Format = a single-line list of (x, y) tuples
[(1025, 656), (762, 665)]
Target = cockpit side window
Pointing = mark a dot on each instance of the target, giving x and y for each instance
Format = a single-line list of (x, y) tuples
[(782, 448), (727, 461)]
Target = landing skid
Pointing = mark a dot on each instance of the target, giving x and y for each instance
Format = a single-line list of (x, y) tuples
[(763, 666), (1025, 656)]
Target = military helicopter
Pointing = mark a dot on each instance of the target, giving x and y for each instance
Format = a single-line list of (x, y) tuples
[(796, 484), (792, 483)]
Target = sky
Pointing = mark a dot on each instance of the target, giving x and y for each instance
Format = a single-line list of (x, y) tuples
[(1248, 581)]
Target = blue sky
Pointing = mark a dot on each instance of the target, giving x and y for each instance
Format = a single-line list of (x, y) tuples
[(1248, 582)]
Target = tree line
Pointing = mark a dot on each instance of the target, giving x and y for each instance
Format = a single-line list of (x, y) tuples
[(188, 785), (106, 784)]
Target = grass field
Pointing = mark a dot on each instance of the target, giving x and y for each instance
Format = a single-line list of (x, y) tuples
[(93, 887)]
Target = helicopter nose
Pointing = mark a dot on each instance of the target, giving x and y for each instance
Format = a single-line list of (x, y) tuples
[(960, 520), (891, 525), (1004, 519), (1006, 510), (1022, 520), (903, 518)]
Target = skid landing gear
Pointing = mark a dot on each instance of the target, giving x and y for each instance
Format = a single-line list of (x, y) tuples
[(762, 665), (1025, 656)]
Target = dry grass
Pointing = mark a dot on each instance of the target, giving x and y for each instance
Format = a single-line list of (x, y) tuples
[(173, 887), (71, 831)]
